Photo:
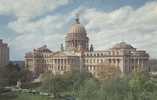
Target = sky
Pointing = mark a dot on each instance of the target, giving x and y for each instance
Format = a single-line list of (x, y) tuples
[(29, 24)]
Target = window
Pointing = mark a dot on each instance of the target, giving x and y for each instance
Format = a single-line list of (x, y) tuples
[(117, 53), (93, 60), (64, 67), (93, 67), (98, 55), (102, 54), (109, 60), (118, 60), (114, 61), (61, 67)]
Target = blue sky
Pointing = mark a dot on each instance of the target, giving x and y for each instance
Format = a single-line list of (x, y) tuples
[(28, 24)]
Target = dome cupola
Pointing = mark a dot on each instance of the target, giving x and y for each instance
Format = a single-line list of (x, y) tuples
[(77, 27), (122, 45), (77, 37)]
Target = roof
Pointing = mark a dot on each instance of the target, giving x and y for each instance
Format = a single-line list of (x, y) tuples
[(122, 45), (44, 49), (64, 53), (77, 28), (29, 55)]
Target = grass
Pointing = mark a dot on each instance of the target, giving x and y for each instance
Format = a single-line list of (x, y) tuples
[(26, 96)]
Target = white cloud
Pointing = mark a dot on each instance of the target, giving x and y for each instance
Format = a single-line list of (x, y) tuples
[(30, 30), (135, 26), (29, 8), (44, 25)]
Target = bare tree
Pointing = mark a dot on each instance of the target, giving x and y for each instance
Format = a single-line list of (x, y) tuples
[(107, 71)]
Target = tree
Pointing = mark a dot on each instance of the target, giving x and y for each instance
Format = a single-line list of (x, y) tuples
[(26, 76), (139, 86), (76, 79), (107, 71), (9, 74), (52, 84), (69, 82), (142, 86), (88, 91)]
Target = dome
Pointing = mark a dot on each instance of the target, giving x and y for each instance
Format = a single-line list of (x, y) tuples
[(76, 38), (77, 28), (122, 45), (44, 49)]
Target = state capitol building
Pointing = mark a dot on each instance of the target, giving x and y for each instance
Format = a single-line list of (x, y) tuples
[(78, 54)]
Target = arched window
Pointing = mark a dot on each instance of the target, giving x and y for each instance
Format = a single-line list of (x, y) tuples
[(109, 60), (117, 53), (114, 61), (90, 60), (93, 60), (98, 54), (91, 54), (90, 67), (102, 54), (94, 55), (87, 60), (93, 67), (118, 60)]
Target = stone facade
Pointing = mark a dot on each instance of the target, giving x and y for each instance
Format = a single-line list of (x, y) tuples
[(43, 60), (4, 54), (77, 55), (126, 59)]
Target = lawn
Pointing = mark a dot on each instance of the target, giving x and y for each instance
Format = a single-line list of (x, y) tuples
[(26, 96)]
